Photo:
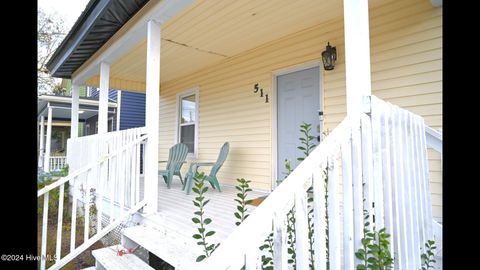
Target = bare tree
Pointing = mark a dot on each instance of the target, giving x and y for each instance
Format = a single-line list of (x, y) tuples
[(51, 31)]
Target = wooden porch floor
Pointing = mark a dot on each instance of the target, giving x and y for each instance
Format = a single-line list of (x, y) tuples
[(168, 233), (176, 208)]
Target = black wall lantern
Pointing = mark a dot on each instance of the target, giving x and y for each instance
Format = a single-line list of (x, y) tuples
[(329, 56)]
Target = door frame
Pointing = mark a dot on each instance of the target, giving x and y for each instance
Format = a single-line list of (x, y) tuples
[(274, 108)]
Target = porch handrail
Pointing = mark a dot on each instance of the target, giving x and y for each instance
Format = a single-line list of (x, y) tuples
[(111, 181), (381, 163), (234, 251), (434, 139)]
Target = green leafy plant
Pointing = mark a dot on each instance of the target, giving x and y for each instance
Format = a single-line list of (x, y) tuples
[(200, 219), (291, 238), (93, 212), (428, 258), (307, 145), (267, 261), (311, 230), (244, 188), (375, 250), (288, 167), (64, 171), (306, 142)]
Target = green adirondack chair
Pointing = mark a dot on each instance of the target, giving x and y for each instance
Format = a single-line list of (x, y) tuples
[(176, 158), (212, 177)]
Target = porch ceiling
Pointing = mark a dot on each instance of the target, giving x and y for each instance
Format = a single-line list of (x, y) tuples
[(208, 32)]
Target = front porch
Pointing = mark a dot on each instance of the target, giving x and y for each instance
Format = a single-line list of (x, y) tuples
[(168, 233), (371, 141)]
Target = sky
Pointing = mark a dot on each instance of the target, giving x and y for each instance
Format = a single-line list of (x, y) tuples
[(68, 10)]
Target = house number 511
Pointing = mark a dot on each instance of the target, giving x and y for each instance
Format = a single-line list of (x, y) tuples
[(256, 89)]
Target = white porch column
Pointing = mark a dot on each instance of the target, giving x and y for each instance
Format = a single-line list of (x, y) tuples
[(357, 53), (119, 105), (152, 115), (46, 162), (74, 116), (42, 148), (103, 100)]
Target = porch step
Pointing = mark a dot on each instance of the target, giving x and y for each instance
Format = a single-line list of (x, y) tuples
[(108, 258), (176, 249)]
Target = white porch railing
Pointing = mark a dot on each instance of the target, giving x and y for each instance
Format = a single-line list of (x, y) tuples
[(379, 160), (57, 163), (435, 141), (104, 169)]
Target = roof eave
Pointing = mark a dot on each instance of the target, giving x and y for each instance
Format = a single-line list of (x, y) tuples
[(84, 23)]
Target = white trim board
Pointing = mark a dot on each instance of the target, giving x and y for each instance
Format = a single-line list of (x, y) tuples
[(274, 108), (160, 12), (192, 91)]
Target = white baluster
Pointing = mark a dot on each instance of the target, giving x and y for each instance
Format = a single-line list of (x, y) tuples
[(348, 228), (301, 229), (44, 231), (333, 215), (319, 221), (60, 222)]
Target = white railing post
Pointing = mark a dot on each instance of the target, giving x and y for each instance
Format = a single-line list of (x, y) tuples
[(59, 223), (42, 137), (348, 214), (152, 114), (382, 131), (73, 223), (412, 220), (334, 247), (357, 188), (280, 252), (426, 183), (357, 53), (44, 231), (46, 163), (421, 211), (74, 116), (301, 229), (399, 196), (103, 99), (320, 222), (119, 107)]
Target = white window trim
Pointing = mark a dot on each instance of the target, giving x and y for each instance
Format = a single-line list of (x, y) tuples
[(193, 91)]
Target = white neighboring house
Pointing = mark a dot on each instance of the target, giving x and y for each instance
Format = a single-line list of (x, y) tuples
[(249, 72), (53, 116)]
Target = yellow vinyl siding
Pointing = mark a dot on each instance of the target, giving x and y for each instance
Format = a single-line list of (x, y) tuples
[(406, 59)]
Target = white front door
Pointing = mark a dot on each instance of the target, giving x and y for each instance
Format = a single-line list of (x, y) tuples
[(298, 100)]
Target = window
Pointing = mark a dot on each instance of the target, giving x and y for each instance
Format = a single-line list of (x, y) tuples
[(187, 104), (110, 124), (87, 129)]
